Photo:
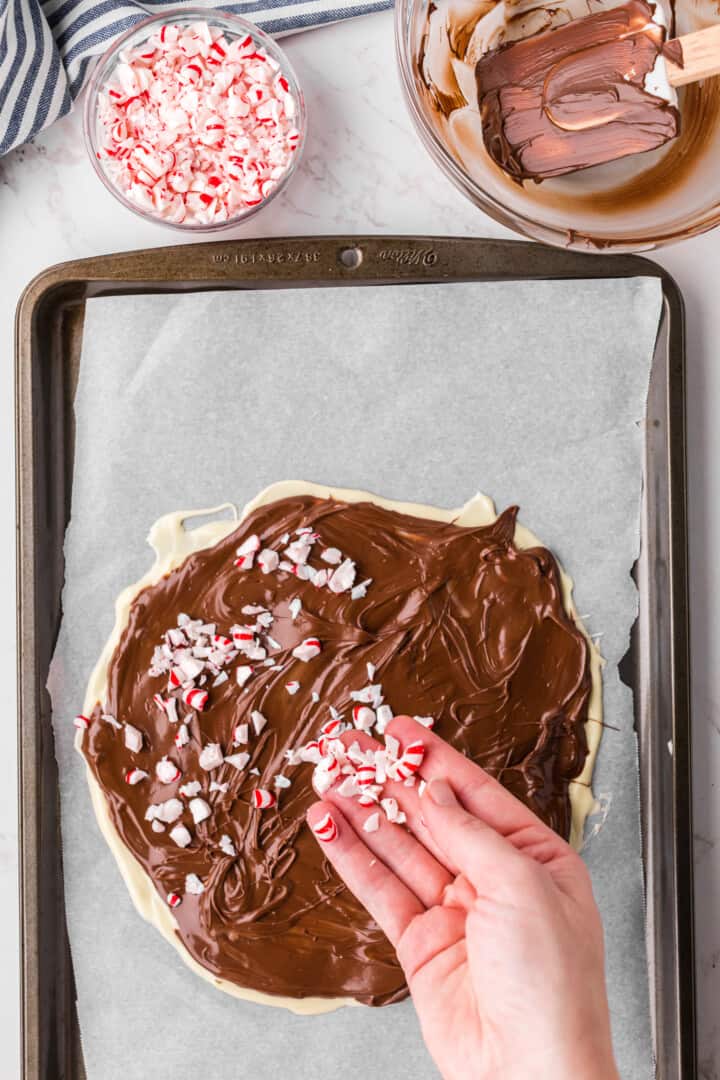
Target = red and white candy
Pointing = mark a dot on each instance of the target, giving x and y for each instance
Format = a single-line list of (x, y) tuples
[(167, 771), (325, 829), (307, 650), (134, 776), (211, 757), (81, 722), (197, 128), (263, 799), (174, 899), (195, 698)]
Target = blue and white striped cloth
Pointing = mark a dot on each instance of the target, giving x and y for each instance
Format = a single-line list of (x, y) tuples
[(48, 47)]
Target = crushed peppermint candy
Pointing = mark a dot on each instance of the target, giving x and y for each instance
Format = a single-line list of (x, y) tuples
[(181, 836), (200, 810), (133, 739), (196, 127), (192, 788), (167, 811), (167, 771), (263, 799), (258, 721), (222, 788), (307, 650), (371, 822), (295, 607), (325, 829), (211, 757), (226, 846), (134, 776), (281, 781), (238, 761), (174, 899), (292, 687), (194, 885)]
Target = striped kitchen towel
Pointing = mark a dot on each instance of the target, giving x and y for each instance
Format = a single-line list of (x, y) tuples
[(48, 47)]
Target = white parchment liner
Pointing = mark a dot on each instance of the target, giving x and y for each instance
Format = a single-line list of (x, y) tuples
[(532, 392)]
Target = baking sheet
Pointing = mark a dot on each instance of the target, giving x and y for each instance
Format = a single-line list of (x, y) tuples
[(532, 392)]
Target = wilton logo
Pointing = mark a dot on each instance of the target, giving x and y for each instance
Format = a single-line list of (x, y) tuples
[(409, 256)]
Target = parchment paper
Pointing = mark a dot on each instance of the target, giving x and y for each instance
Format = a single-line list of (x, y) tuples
[(530, 392)]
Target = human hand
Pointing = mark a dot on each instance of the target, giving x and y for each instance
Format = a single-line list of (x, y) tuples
[(492, 916)]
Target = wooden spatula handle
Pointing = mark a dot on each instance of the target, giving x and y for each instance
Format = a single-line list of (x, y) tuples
[(701, 57)]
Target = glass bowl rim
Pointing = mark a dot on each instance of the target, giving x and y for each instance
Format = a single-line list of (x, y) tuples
[(237, 25)]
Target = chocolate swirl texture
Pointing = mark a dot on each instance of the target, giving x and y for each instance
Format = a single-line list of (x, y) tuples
[(459, 623), (576, 96)]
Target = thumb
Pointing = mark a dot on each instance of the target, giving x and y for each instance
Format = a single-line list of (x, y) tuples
[(472, 847)]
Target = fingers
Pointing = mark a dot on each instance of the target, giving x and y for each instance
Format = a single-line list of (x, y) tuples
[(390, 902), (479, 793), (409, 860), (486, 859)]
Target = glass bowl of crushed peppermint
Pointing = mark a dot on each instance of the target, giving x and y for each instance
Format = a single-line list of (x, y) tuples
[(194, 119)]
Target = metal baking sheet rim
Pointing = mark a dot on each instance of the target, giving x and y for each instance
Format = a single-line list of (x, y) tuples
[(48, 335)]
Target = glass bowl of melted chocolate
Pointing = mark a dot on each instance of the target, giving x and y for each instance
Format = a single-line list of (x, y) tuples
[(524, 150)]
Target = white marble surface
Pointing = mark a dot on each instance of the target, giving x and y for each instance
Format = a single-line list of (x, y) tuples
[(364, 171)]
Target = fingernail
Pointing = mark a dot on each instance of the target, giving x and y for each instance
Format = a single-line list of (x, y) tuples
[(325, 829), (441, 793)]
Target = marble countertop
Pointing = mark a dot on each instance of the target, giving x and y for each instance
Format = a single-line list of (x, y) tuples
[(363, 170)]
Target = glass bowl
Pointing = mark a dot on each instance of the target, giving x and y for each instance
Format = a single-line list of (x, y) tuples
[(233, 27), (635, 204)]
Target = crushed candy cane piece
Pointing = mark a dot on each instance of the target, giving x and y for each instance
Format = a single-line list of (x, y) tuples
[(268, 560), (199, 810), (238, 761), (181, 836), (371, 822), (193, 787), (258, 721), (243, 673), (298, 552), (174, 899), (332, 555), (383, 716), (359, 592), (195, 698), (167, 811), (370, 671), (295, 607), (325, 828), (281, 781), (292, 687), (133, 739), (343, 578), (307, 650), (167, 771), (263, 799), (315, 697), (226, 846), (211, 757), (134, 776), (241, 734), (425, 721), (194, 885), (391, 808), (363, 718), (157, 826), (216, 786), (249, 546), (182, 736)]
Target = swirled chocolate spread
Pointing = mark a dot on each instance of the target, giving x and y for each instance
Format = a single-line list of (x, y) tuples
[(236, 673), (584, 94)]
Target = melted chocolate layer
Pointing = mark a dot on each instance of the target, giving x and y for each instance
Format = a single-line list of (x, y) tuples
[(574, 97), (459, 624)]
